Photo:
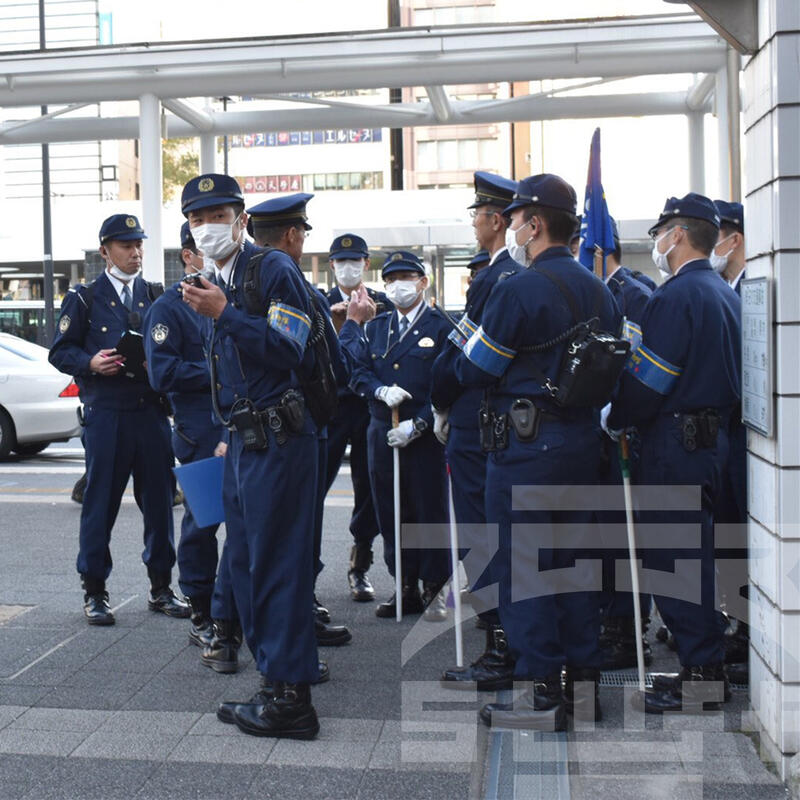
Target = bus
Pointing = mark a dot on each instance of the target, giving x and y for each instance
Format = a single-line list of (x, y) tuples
[(25, 318)]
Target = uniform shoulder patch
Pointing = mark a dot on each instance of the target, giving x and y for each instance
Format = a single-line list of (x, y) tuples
[(159, 333), (63, 324)]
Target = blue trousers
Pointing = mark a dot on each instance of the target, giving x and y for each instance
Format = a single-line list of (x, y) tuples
[(319, 501), (549, 619), (468, 472), (423, 499), (202, 573), (120, 444), (269, 498), (350, 425), (688, 606)]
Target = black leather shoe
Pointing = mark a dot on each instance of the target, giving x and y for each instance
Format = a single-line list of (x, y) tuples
[(738, 673), (699, 689), (494, 670), (225, 710), (288, 714), (361, 589), (324, 673), (78, 489), (412, 602), (540, 708), (331, 635), (202, 631), (662, 634), (737, 644), (667, 681), (582, 695), (164, 601), (320, 612), (618, 644), (97, 610), (222, 653), (434, 602)]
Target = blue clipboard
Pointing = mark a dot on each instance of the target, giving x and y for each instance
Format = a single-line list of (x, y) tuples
[(201, 482)]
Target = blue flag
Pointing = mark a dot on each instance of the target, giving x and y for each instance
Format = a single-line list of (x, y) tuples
[(596, 225)]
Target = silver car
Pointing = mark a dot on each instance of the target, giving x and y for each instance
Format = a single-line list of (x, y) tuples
[(38, 404)]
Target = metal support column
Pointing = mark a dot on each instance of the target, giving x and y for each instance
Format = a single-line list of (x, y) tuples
[(723, 147), (208, 153), (733, 66), (697, 156), (47, 225), (150, 150)]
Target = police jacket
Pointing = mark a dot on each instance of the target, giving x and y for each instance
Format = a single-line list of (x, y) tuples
[(689, 357), (528, 309), (447, 392), (381, 358), (255, 356), (630, 293), (93, 318), (174, 337)]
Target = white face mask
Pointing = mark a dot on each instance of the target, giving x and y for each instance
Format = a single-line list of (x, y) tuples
[(349, 271), (660, 259), (403, 294), (720, 262), (518, 251), (119, 274), (215, 239)]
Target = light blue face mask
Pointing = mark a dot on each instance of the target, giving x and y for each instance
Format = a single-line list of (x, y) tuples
[(518, 251)]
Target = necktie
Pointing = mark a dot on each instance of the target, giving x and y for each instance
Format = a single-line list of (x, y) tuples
[(403, 326), (127, 298)]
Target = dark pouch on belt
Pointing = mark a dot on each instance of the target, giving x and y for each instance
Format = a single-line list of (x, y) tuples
[(293, 409), (524, 418), (707, 428), (249, 426)]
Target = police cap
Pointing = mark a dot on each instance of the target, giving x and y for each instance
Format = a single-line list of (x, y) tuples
[(493, 190), (288, 209), (187, 240), (730, 214), (480, 259), (348, 245), (693, 206), (402, 261), (211, 189), (124, 227), (546, 190)]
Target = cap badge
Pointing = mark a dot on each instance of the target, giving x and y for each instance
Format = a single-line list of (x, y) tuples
[(206, 185), (397, 257), (130, 222), (347, 242)]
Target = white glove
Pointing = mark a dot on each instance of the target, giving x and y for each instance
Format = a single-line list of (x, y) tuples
[(404, 433), (392, 395), (441, 427), (614, 434)]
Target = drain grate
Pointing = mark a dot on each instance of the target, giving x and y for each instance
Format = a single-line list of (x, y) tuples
[(621, 678)]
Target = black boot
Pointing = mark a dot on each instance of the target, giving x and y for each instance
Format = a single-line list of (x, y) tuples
[(95, 602), (618, 643), (331, 635), (668, 681), (287, 714), (434, 602), (696, 689), (540, 707), (582, 694), (162, 599), (494, 670), (202, 631), (360, 561), (264, 693), (320, 612), (222, 652), (412, 600)]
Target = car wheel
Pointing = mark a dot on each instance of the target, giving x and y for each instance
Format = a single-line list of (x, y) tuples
[(30, 448), (8, 437)]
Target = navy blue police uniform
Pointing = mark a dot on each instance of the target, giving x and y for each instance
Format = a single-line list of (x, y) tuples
[(545, 628), (174, 342), (268, 492), (680, 387), (382, 358), (126, 430), (349, 426), (465, 457)]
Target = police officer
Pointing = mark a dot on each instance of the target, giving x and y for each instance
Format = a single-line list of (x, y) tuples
[(126, 431), (394, 358), (680, 387), (271, 457), (728, 256), (537, 442), (174, 343), (618, 638), (456, 425), (478, 262), (275, 223), (349, 259)]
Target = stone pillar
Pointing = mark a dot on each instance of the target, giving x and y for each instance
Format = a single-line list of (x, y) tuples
[(772, 210)]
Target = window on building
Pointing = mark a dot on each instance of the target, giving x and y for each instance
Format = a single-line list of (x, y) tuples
[(455, 154)]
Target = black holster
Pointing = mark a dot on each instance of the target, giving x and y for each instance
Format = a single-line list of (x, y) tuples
[(493, 429), (700, 429)]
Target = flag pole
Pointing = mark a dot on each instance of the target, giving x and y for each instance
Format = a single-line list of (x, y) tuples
[(398, 558)]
